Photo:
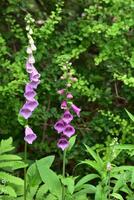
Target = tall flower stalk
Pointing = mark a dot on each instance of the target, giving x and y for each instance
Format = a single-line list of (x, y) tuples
[(30, 102), (63, 126)]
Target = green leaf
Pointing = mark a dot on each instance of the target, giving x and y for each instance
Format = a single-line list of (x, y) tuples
[(41, 191), (85, 179), (94, 155), (69, 182), (130, 115), (124, 146), (71, 142), (6, 145), (86, 189), (11, 179), (33, 176), (13, 165), (46, 162), (50, 178), (9, 157), (7, 190), (117, 196)]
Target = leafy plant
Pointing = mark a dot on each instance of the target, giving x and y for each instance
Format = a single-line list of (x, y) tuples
[(10, 185), (112, 181)]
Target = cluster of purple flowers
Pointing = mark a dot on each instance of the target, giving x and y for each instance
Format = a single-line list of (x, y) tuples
[(31, 103), (63, 126)]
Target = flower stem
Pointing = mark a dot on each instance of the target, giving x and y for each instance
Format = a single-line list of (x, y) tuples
[(25, 170), (63, 173), (109, 185)]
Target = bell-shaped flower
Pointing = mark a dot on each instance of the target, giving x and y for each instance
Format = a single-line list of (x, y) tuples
[(69, 131), (67, 117), (29, 92), (76, 109), (59, 126), (69, 96), (34, 76), (30, 136), (64, 105), (34, 84), (31, 59), (32, 104), (63, 143), (29, 67), (25, 112), (61, 91)]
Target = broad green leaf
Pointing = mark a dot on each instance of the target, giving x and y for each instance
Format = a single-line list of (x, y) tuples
[(87, 189), (122, 168), (50, 178), (43, 189), (13, 165), (46, 162), (69, 182), (117, 196), (33, 176)]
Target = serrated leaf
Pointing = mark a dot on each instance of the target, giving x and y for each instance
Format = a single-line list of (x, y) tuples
[(7, 190), (11, 179), (8, 157), (6, 145)]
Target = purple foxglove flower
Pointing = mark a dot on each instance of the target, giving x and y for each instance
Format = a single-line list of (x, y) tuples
[(32, 104), (29, 92), (76, 109), (69, 131), (61, 91), (29, 67), (64, 105), (25, 112), (30, 136), (34, 76), (63, 143), (69, 96), (31, 59), (67, 117), (59, 126), (34, 84)]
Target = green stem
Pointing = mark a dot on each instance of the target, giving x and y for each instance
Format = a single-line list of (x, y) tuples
[(109, 185), (25, 170), (63, 174)]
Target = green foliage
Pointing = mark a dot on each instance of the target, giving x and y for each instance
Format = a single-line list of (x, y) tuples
[(112, 181), (9, 184)]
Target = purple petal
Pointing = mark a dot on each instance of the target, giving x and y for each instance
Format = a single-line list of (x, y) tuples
[(29, 67), (32, 104), (61, 91), (67, 117), (64, 105), (25, 112), (63, 143), (59, 126), (34, 76), (29, 92), (69, 131), (76, 109), (34, 84), (30, 136), (69, 96), (31, 59)]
